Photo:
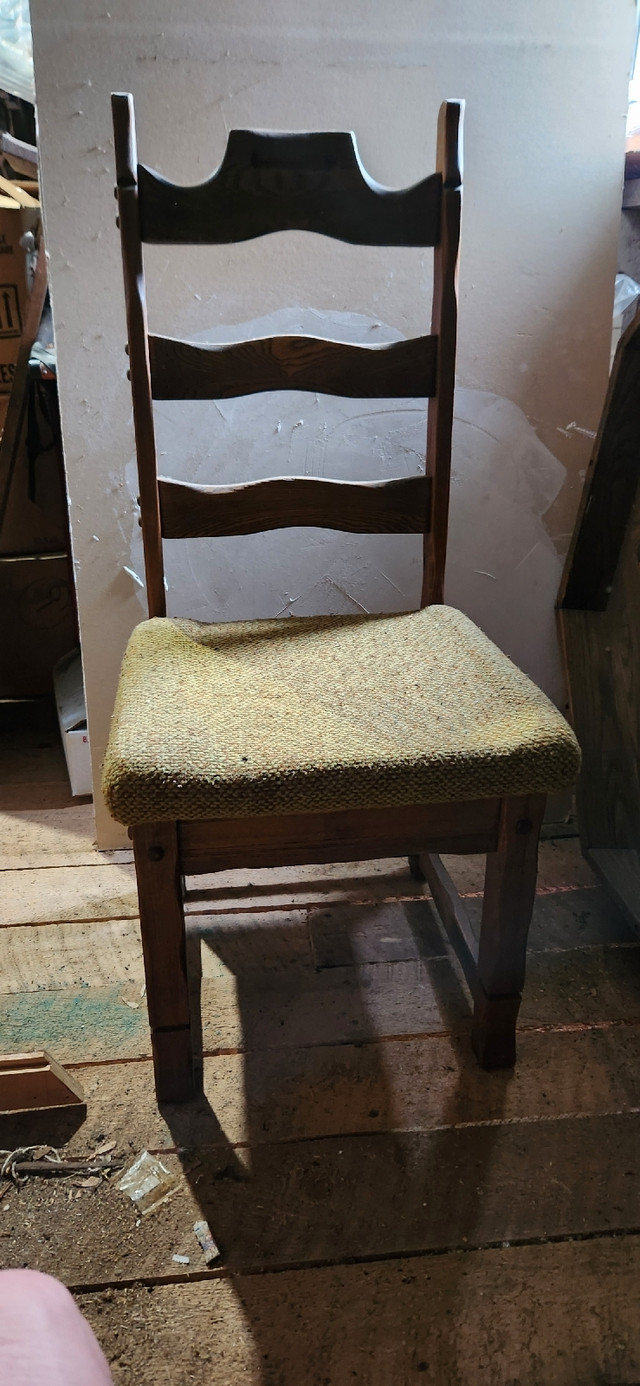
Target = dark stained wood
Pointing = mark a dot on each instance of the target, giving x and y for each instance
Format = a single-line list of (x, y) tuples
[(452, 913), (610, 486), (602, 659), (601, 651), (509, 894), (283, 182), (620, 871), (600, 635), (372, 507), (394, 370), (444, 319), (345, 835), (127, 195), (158, 872)]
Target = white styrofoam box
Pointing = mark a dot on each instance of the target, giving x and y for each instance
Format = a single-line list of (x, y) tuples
[(72, 717)]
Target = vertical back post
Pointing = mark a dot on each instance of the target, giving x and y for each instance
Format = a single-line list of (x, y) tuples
[(444, 319), (140, 373)]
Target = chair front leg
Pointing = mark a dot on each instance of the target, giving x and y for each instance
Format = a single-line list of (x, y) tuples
[(157, 859), (509, 895)]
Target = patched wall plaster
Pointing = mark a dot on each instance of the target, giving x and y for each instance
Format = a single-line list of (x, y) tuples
[(546, 95)]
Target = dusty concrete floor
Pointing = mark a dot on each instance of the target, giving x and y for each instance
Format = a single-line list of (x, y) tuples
[(386, 1212)]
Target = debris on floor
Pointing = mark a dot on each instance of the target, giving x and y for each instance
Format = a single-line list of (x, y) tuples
[(148, 1183), (210, 1249), (29, 1160)]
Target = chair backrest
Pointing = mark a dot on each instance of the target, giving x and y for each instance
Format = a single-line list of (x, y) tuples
[(276, 182)]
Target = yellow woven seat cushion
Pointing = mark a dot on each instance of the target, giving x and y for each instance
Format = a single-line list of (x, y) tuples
[(327, 712)]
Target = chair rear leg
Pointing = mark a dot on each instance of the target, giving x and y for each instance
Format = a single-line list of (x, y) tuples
[(509, 894), (155, 848)]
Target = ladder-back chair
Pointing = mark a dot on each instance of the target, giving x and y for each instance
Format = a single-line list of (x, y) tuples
[(330, 738)]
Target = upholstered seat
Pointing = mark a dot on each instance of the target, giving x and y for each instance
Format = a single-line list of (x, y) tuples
[(322, 713)]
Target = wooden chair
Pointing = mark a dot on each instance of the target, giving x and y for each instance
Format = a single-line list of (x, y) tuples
[(270, 743)]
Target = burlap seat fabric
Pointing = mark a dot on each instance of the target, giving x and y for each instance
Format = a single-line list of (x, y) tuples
[(321, 713)]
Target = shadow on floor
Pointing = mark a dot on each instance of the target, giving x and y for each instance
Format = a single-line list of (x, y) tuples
[(286, 1203)]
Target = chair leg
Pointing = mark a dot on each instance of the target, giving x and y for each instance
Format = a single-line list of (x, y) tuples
[(509, 894), (415, 869), (155, 848)]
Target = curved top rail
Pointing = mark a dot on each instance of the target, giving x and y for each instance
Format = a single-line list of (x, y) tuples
[(276, 182)]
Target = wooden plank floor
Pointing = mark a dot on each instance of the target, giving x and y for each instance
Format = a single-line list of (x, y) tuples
[(386, 1212)]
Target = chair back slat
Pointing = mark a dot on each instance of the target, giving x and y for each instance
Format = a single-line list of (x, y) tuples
[(395, 370), (372, 507), (276, 182)]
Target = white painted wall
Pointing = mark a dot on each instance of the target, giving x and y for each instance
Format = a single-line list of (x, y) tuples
[(546, 97)]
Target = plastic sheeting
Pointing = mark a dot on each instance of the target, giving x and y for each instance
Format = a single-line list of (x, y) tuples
[(16, 55)]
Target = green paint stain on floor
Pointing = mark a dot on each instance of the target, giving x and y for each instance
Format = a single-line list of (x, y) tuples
[(83, 1023)]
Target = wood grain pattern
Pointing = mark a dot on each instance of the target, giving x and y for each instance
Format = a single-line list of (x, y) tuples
[(354, 1088), (140, 371), (309, 1202), (279, 182), (399, 506), (35, 1080), (158, 872), (610, 486), (252, 1008), (393, 370), (345, 835), (340, 1323)]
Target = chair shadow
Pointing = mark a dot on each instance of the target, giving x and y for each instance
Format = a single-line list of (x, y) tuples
[(349, 1202)]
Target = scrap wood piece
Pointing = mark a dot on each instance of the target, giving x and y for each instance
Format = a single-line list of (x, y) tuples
[(14, 190), (600, 636), (22, 156), (29, 1081), (609, 489)]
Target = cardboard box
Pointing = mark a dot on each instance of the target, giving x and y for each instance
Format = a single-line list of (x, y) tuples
[(37, 525), (14, 290), (72, 717), (38, 622)]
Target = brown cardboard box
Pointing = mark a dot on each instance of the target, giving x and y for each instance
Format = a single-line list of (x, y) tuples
[(35, 516), (14, 293), (37, 621)]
